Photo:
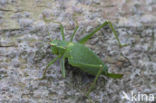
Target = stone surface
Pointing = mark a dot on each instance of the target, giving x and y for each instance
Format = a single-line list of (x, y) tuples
[(27, 26)]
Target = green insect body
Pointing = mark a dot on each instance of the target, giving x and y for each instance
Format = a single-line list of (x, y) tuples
[(85, 59), (81, 56)]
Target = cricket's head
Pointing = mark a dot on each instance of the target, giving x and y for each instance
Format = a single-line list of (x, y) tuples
[(58, 46)]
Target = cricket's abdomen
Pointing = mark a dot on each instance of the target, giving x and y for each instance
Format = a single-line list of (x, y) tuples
[(85, 59)]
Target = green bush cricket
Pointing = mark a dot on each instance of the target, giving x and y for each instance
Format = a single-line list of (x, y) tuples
[(78, 55)]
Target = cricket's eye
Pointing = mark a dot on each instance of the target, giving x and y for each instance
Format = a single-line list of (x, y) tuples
[(54, 50)]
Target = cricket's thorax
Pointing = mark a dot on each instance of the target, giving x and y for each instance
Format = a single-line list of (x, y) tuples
[(59, 46), (70, 44)]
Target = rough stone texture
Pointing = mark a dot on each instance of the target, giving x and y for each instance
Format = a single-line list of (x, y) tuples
[(25, 26)]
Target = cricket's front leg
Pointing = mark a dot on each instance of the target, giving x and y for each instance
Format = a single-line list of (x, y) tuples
[(62, 29), (75, 30), (62, 64), (49, 64)]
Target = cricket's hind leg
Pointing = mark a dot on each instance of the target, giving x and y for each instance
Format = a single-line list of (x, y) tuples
[(94, 82), (84, 39)]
